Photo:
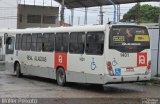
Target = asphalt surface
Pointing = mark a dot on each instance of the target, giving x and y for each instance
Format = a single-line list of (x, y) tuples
[(48, 91)]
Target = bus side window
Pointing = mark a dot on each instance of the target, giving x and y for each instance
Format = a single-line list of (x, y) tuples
[(33, 43), (18, 41), (24, 42), (28, 41), (48, 42), (95, 43), (51, 42), (39, 42), (61, 40), (10, 45), (76, 45)]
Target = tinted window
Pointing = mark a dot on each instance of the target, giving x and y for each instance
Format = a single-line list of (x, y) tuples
[(77, 41), (48, 42), (49, 19), (39, 42), (95, 43), (24, 42), (129, 38), (61, 42), (34, 44), (28, 42), (18, 42), (34, 18)]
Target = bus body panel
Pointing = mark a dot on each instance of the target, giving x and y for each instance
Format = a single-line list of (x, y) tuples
[(88, 70), (37, 63)]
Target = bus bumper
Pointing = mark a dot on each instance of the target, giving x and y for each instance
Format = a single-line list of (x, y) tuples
[(123, 79)]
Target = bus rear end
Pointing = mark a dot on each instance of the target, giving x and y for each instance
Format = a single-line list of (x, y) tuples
[(128, 54)]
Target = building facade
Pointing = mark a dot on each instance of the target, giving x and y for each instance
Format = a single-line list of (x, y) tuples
[(30, 16)]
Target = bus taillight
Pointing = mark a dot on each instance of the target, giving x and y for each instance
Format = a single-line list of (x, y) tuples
[(109, 68), (148, 68)]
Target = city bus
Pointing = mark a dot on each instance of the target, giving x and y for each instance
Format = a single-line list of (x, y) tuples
[(94, 54)]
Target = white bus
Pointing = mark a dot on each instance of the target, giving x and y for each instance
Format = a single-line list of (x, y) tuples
[(99, 54)]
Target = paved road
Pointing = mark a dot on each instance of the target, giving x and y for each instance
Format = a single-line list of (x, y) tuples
[(35, 87)]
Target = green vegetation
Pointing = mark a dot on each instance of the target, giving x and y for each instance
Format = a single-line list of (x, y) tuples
[(147, 14)]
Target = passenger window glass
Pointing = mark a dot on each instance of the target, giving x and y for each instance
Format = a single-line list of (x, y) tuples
[(62, 40), (95, 43), (18, 42), (33, 44), (24, 42), (48, 42), (39, 42), (10, 45), (77, 41), (28, 47)]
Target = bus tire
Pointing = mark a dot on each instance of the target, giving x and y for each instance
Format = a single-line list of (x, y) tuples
[(61, 76), (18, 70)]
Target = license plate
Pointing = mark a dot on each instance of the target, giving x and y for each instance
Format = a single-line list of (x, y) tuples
[(129, 69)]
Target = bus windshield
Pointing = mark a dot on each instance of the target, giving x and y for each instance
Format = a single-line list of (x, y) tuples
[(129, 38)]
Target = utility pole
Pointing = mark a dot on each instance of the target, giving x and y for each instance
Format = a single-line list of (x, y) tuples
[(118, 12), (101, 15), (158, 56), (43, 3), (34, 2), (51, 3), (78, 20), (72, 16), (85, 18), (62, 13), (69, 19)]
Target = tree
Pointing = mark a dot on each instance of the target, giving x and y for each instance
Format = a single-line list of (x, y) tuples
[(148, 14)]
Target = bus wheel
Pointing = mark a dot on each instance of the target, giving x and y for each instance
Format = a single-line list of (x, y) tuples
[(61, 77), (18, 70)]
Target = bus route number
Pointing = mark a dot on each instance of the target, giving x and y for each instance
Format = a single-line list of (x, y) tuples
[(124, 54)]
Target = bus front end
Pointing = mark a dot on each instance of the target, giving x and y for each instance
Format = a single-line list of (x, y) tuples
[(128, 58)]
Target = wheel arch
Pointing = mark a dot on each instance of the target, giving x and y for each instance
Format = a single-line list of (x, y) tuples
[(15, 65), (60, 67)]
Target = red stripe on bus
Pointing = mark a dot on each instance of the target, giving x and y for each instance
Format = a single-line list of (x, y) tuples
[(61, 60)]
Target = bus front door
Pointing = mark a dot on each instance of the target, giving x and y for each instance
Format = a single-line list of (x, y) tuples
[(9, 63)]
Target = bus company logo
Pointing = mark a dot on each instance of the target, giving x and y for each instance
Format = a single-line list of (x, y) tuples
[(61, 60), (142, 59)]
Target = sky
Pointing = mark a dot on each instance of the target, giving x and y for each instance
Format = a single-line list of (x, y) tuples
[(8, 7), (8, 14)]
